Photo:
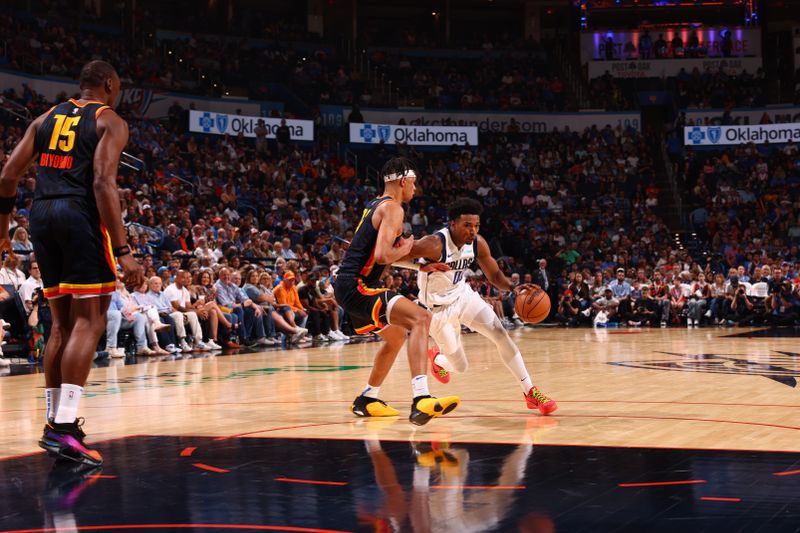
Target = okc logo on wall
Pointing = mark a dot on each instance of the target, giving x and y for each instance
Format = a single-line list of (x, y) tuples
[(138, 100), (782, 367), (697, 135), (714, 134), (367, 133)]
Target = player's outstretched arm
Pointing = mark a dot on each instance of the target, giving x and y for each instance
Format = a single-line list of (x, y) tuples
[(428, 247), (489, 266)]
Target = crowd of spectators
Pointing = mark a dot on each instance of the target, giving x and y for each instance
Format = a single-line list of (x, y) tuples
[(194, 64), (662, 47), (513, 79), (695, 89), (215, 65)]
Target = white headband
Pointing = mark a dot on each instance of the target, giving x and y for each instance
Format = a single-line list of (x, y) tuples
[(395, 177)]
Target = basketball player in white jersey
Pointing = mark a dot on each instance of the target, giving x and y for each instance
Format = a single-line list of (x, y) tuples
[(453, 303)]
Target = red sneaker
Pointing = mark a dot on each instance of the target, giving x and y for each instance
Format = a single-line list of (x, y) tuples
[(536, 400), (438, 372)]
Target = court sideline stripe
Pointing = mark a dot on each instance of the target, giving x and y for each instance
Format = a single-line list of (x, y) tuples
[(258, 527), (481, 487), (719, 499), (210, 468), (457, 417), (663, 483), (311, 481), (786, 473), (403, 401)]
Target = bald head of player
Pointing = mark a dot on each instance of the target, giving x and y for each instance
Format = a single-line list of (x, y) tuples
[(399, 179), (464, 216), (99, 81)]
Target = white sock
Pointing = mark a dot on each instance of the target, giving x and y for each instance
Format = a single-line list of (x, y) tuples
[(68, 403), (443, 362), (419, 386), (517, 366), (422, 478), (370, 391), (51, 398)]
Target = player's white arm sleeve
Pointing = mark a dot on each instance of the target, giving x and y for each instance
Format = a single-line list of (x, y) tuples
[(410, 265)]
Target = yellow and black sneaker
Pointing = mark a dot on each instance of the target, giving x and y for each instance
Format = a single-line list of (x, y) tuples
[(426, 407), (364, 406), (429, 454)]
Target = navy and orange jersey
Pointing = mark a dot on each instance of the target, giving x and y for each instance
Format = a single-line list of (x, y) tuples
[(66, 142), (359, 260)]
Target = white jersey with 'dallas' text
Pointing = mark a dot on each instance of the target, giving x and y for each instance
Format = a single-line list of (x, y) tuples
[(443, 288)]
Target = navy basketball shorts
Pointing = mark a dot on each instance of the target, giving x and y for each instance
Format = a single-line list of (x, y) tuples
[(72, 247), (367, 308)]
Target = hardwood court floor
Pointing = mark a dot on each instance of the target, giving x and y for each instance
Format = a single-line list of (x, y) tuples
[(663, 388)]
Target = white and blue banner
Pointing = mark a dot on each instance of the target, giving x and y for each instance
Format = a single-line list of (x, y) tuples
[(414, 135), (334, 116), (226, 124), (727, 135)]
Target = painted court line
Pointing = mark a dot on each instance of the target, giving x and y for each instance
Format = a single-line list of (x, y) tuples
[(663, 483), (210, 468), (251, 527), (187, 452), (786, 473), (718, 499), (311, 481), (481, 487)]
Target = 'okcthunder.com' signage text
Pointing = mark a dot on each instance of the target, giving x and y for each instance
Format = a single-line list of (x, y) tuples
[(334, 116), (758, 134), (225, 124), (414, 135)]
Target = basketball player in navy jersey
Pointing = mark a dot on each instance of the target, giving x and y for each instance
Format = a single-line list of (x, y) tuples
[(454, 303), (378, 242), (78, 237)]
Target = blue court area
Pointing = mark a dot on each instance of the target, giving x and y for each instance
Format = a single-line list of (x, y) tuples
[(206, 484)]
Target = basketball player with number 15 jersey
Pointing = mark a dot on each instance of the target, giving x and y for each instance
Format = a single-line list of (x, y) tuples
[(453, 302), (78, 237)]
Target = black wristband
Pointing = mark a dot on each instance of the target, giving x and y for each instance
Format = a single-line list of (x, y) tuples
[(122, 250), (7, 204)]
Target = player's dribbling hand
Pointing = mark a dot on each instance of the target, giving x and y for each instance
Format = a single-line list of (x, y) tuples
[(434, 267), (525, 287), (132, 271)]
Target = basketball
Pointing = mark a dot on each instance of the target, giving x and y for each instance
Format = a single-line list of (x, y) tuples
[(532, 306)]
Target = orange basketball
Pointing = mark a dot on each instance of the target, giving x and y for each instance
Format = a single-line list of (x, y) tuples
[(532, 306)]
